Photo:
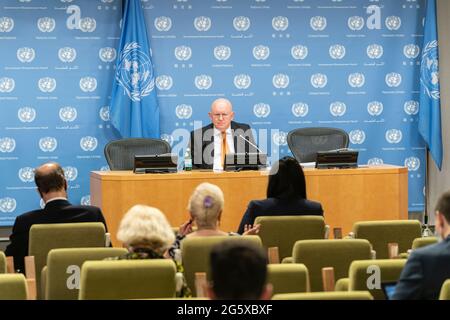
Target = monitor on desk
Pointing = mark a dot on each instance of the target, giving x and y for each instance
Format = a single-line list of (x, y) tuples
[(245, 161), (161, 163)]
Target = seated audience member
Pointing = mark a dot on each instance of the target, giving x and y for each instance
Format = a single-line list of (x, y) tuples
[(238, 272), (427, 268), (52, 187), (147, 234), (286, 195)]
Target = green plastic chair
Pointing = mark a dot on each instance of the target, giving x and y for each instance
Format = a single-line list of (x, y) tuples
[(284, 231), (2, 262), (423, 242), (127, 279), (13, 286), (339, 254), (288, 278), (329, 295), (445, 291), (195, 254)]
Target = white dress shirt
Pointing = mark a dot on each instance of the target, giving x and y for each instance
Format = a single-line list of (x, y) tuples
[(218, 165)]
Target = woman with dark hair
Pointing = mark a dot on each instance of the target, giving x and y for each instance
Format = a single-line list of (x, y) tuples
[(286, 195)]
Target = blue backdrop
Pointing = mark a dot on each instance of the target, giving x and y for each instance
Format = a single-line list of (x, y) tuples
[(352, 64)]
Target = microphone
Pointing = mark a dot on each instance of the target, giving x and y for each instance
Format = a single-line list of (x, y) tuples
[(252, 144)]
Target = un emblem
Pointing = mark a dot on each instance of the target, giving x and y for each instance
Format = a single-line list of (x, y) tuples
[(242, 81), (429, 70), (280, 81), (7, 85), (411, 51), (411, 107), (164, 82), (183, 53), (202, 23), (88, 24), (393, 136), (68, 114), (375, 162), (88, 143), (355, 23), (183, 111), (6, 24), (25, 54), (47, 84), (280, 23), (70, 173), (135, 72), (48, 144), (261, 110), (412, 163), (393, 79), (88, 84), (337, 108), (26, 174), (7, 145), (107, 54), (86, 200), (337, 51), (318, 23), (375, 108), (319, 80), (203, 82), (7, 205), (299, 52), (67, 54), (261, 52), (163, 23), (357, 136), (280, 138), (300, 109), (356, 80), (374, 51), (393, 22), (104, 113), (168, 138), (241, 23), (222, 53), (46, 24), (26, 114)]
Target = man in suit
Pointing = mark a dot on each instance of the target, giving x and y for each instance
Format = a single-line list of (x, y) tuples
[(210, 144), (52, 187), (427, 268)]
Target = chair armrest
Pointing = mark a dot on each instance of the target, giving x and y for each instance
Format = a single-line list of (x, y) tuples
[(342, 284)]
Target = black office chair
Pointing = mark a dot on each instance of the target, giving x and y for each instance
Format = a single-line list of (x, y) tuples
[(305, 142), (120, 153)]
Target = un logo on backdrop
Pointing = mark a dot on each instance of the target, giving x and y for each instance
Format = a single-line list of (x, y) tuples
[(107, 54), (356, 80), (70, 173), (163, 24), (242, 81), (299, 52), (300, 109), (88, 24), (222, 53), (280, 23), (88, 143), (393, 23), (412, 163), (374, 51), (318, 23), (411, 107), (355, 23), (261, 110), (183, 111), (338, 108), (7, 145), (164, 82), (7, 85), (280, 138), (25, 54), (6, 24), (183, 53), (48, 144), (241, 23), (411, 51), (86, 200), (7, 205), (68, 114), (337, 51), (261, 52), (203, 82), (319, 80), (357, 136), (26, 114), (429, 70), (375, 108), (202, 23), (47, 84), (393, 79), (375, 162), (67, 54), (26, 174), (104, 113), (88, 84), (393, 136), (46, 24), (280, 81)]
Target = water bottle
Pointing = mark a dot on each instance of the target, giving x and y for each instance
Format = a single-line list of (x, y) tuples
[(187, 160)]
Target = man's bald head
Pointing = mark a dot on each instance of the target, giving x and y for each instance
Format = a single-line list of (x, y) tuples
[(49, 177), (221, 114)]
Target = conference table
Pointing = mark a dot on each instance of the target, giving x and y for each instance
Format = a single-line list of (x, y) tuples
[(347, 195)]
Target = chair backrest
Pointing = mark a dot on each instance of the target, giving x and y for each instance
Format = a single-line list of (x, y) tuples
[(44, 237), (288, 277), (423, 242), (381, 233), (13, 286), (361, 273), (64, 269), (120, 153), (127, 279), (284, 231), (445, 291), (330, 295), (305, 142), (195, 254), (2, 262), (339, 254)]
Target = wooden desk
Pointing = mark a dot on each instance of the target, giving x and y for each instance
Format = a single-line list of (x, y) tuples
[(347, 196)]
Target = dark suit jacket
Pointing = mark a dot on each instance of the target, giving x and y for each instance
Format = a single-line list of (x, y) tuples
[(279, 207), (203, 138), (57, 211), (424, 273)]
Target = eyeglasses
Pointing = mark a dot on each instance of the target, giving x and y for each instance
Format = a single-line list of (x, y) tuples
[(219, 115)]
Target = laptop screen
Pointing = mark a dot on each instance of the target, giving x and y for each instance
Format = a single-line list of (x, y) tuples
[(389, 289)]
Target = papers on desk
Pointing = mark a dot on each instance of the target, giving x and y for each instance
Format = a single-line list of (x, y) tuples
[(308, 164)]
